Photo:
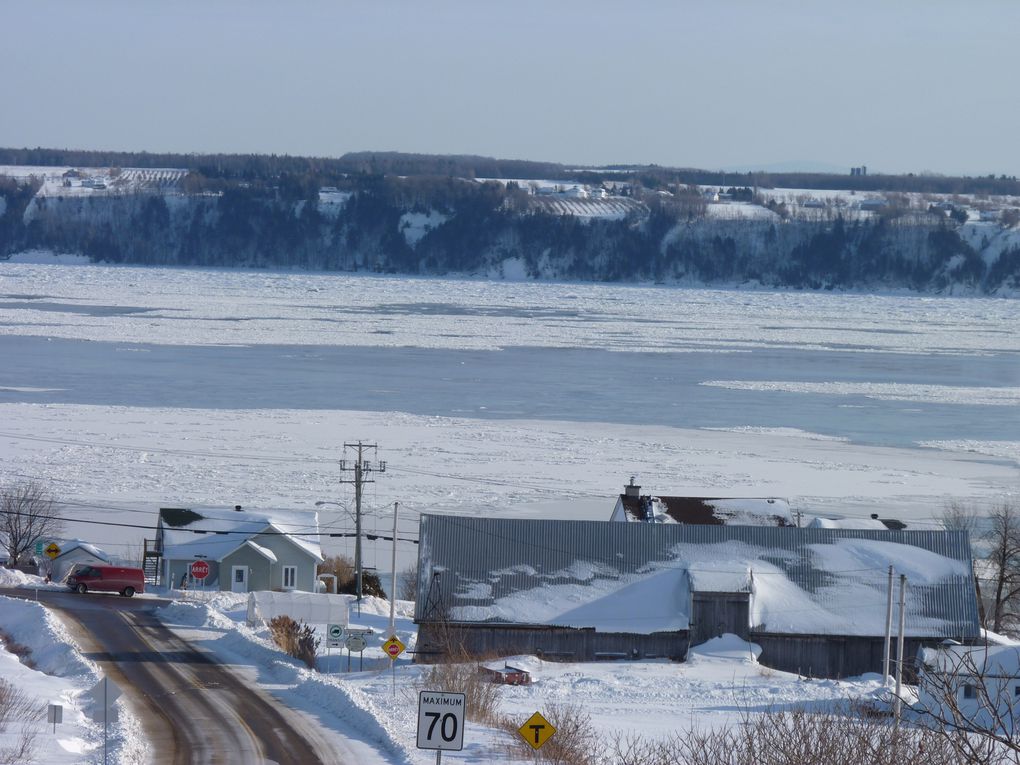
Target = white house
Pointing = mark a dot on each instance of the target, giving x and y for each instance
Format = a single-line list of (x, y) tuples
[(970, 687), (245, 550), (73, 551)]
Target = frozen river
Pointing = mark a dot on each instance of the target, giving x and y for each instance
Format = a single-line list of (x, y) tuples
[(144, 386), (865, 396)]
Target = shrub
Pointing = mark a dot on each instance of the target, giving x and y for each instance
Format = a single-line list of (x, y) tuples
[(773, 738), (16, 706), (296, 639), (481, 695), (342, 568)]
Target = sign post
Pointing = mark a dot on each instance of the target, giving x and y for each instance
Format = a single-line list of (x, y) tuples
[(356, 642), (55, 714), (441, 722), (199, 570), (393, 648), (335, 636), (103, 694), (536, 731)]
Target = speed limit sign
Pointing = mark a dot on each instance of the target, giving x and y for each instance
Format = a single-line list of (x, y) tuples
[(440, 721)]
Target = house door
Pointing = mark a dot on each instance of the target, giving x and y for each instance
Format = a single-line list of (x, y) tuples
[(239, 579), (715, 613)]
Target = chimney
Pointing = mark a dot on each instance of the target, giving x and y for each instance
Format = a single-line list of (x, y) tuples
[(632, 489), (237, 508)]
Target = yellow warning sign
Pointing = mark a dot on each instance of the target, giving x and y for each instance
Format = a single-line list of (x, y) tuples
[(52, 550), (536, 731), (393, 647)]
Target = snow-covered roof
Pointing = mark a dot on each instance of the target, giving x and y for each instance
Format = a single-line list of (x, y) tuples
[(986, 660), (847, 523), (71, 545), (265, 552), (215, 532), (638, 577), (733, 511)]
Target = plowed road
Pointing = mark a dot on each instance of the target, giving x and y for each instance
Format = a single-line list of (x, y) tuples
[(193, 710)]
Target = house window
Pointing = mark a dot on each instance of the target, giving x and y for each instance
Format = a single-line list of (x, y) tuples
[(969, 692), (289, 577), (239, 574), (1016, 692)]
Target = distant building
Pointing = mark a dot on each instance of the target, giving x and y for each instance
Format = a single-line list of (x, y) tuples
[(711, 511), (813, 599), (874, 204), (72, 552)]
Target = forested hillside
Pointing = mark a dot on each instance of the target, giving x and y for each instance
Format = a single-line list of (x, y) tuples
[(451, 225)]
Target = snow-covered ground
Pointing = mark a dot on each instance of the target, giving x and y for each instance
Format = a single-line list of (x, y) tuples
[(373, 705), (48, 668), (125, 389)]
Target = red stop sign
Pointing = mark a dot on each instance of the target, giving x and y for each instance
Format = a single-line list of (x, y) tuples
[(393, 650), (200, 569)]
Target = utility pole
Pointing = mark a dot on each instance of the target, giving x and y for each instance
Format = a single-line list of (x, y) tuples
[(898, 703), (393, 578), (361, 469), (888, 631)]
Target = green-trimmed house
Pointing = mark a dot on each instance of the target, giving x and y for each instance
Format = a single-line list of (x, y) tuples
[(245, 550)]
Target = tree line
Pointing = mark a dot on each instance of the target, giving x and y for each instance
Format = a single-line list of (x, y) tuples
[(268, 168)]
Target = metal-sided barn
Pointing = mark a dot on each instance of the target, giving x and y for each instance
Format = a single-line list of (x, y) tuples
[(814, 599)]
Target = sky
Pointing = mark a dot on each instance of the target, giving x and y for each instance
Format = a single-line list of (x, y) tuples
[(912, 86)]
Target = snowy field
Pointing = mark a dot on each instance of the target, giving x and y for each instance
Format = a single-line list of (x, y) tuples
[(125, 389)]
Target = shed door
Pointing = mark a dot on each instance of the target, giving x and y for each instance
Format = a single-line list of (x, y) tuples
[(715, 613)]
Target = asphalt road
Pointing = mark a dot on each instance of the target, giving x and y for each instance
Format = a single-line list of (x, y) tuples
[(192, 709)]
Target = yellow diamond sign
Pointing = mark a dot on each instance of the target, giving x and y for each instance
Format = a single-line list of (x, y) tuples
[(52, 550), (536, 731), (393, 647)]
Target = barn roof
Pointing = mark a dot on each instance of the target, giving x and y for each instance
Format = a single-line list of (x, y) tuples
[(638, 577)]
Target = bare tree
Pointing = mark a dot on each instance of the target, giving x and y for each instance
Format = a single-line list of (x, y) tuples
[(27, 514), (1003, 541), (958, 516), (407, 589)]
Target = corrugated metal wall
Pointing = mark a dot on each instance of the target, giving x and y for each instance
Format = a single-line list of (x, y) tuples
[(475, 561)]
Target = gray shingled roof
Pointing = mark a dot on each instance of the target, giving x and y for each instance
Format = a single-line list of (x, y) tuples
[(635, 577)]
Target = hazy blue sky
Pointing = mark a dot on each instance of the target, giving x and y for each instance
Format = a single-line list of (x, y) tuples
[(898, 85)]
